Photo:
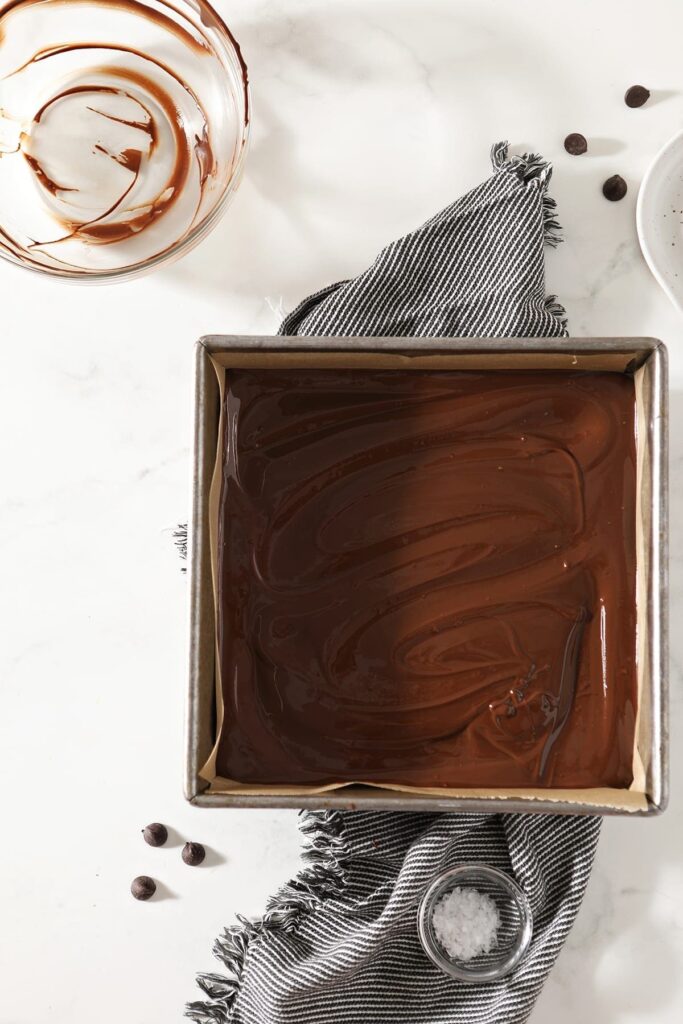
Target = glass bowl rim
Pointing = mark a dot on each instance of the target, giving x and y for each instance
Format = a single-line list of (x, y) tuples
[(447, 880), (184, 245)]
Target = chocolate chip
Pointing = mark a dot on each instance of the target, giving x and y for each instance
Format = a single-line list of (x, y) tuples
[(155, 834), (576, 144), (636, 96), (193, 854), (143, 887), (615, 188)]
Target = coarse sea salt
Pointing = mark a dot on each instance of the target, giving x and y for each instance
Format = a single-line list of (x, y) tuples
[(466, 923)]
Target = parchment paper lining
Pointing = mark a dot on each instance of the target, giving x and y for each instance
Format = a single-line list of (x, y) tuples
[(631, 799)]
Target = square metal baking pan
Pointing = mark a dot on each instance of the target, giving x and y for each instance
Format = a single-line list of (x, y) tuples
[(644, 358)]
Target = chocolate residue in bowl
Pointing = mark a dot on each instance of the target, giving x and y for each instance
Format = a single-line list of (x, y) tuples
[(130, 219), (125, 153)]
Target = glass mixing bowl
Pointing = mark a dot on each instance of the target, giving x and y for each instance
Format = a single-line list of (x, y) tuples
[(123, 132), (514, 933)]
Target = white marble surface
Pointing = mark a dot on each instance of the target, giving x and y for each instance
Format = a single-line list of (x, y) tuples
[(368, 117)]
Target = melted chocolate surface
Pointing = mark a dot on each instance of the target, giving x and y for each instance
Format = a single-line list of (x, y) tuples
[(428, 578)]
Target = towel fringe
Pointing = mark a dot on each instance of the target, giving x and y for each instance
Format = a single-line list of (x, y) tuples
[(531, 168), (556, 309), (323, 876)]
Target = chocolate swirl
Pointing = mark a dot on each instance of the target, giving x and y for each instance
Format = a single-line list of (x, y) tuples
[(122, 151), (428, 578)]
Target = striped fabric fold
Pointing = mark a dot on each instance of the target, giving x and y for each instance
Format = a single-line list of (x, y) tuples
[(476, 269), (339, 944)]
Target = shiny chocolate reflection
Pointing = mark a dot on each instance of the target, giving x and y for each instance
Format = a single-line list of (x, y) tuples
[(428, 578)]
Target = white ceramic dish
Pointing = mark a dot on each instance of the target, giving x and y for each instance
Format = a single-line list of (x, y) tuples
[(659, 218)]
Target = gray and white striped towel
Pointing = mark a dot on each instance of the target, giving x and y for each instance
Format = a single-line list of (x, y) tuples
[(339, 944)]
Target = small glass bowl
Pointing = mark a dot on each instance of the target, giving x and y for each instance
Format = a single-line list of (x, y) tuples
[(514, 934)]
